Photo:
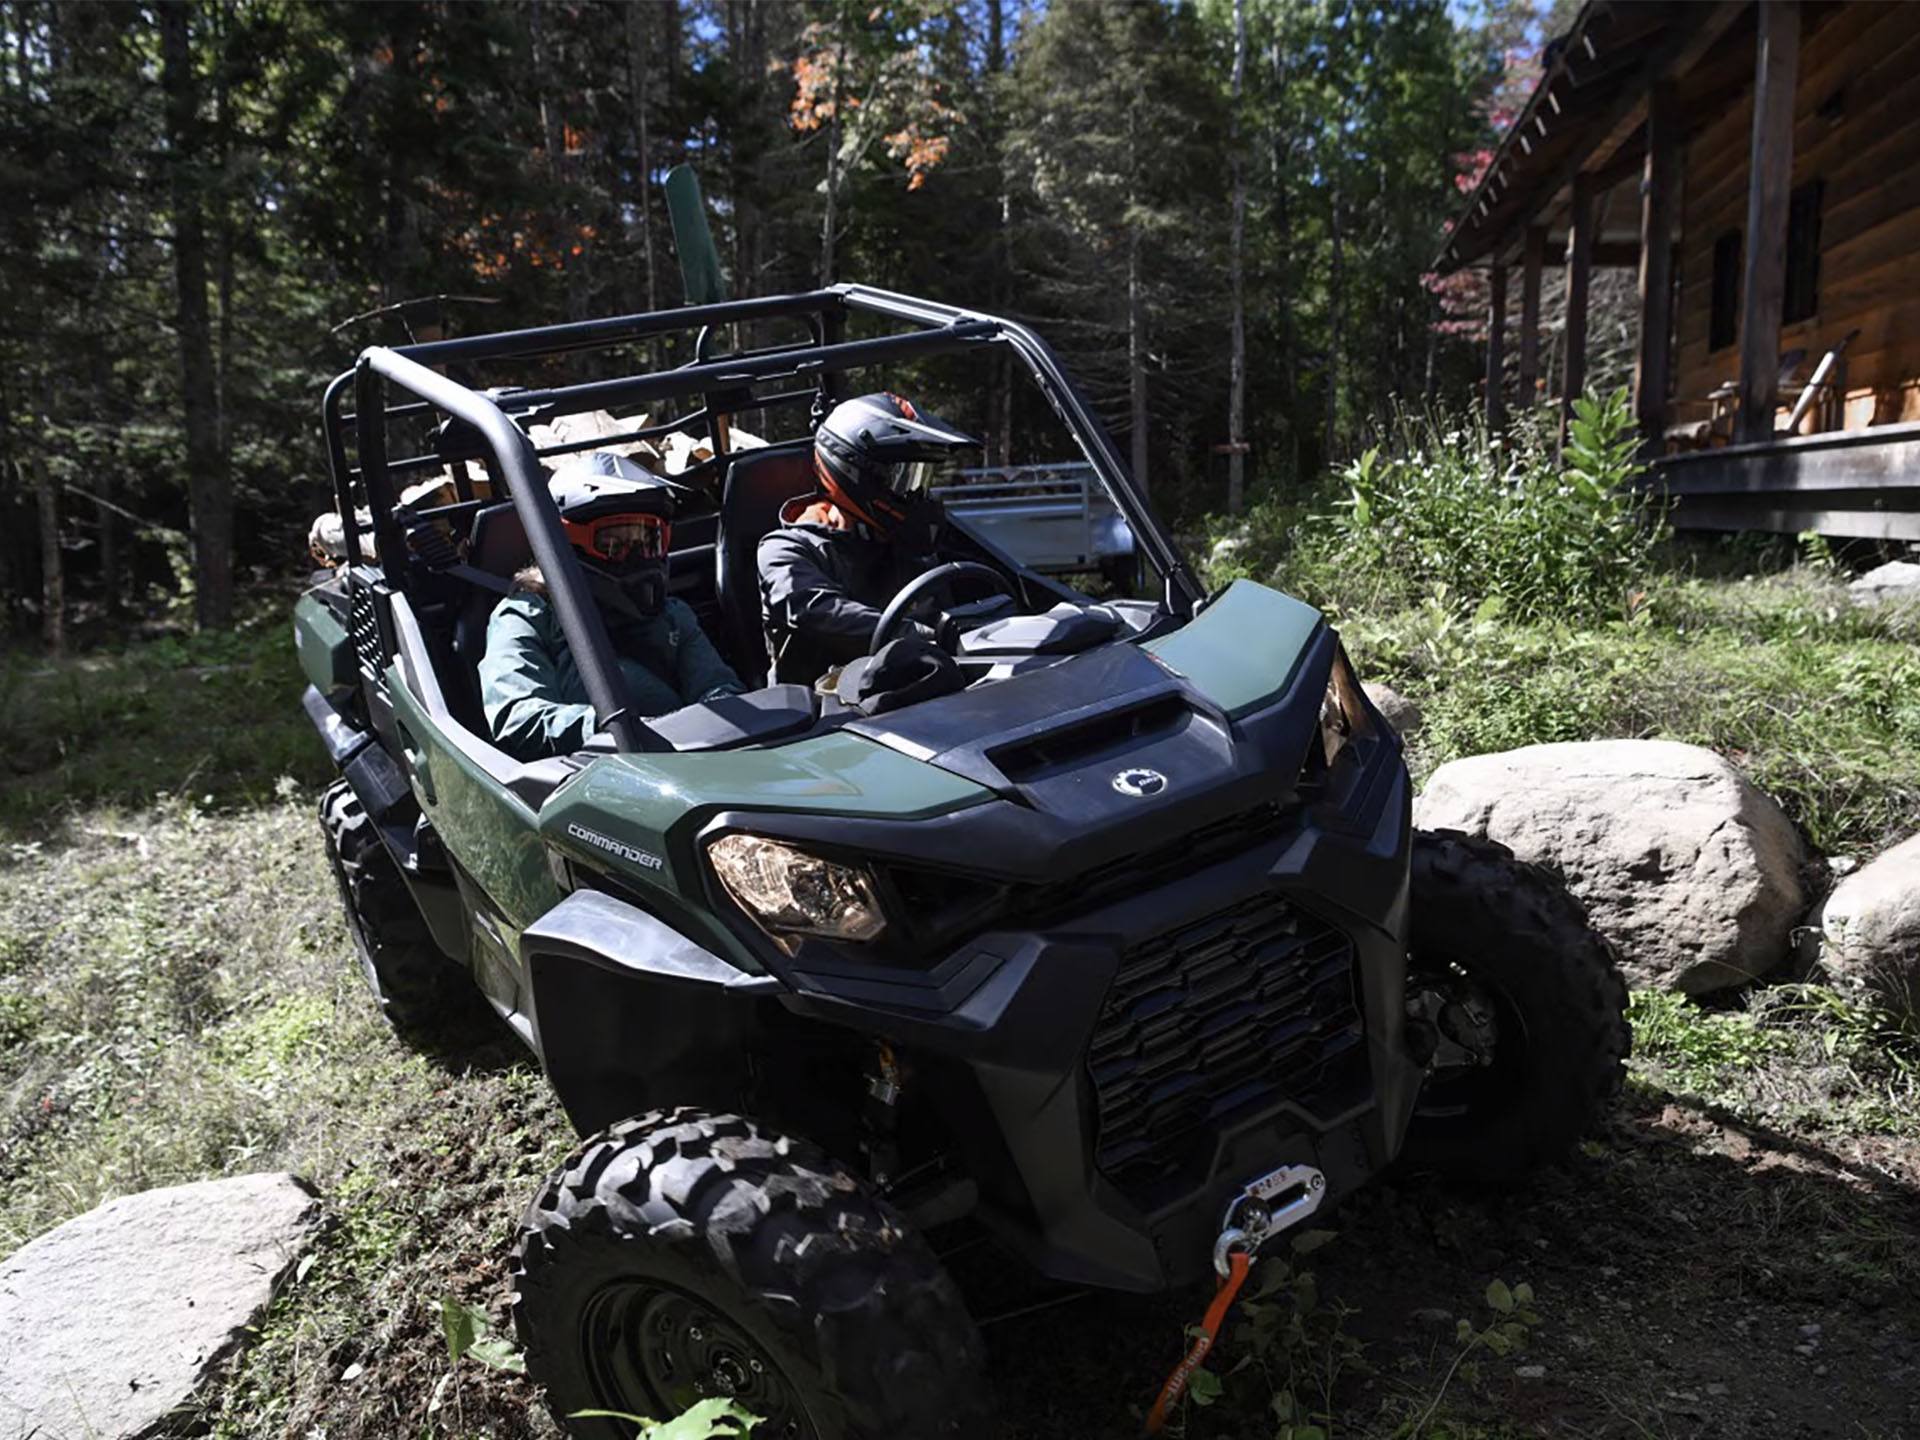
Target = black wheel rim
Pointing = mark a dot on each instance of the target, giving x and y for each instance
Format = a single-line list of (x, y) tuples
[(655, 1351), (1457, 1093)]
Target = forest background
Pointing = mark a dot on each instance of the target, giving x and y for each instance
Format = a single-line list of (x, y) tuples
[(1222, 214)]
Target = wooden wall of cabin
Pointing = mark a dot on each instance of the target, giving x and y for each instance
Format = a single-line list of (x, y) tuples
[(1857, 131)]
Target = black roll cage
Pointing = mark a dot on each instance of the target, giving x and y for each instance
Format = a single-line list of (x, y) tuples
[(488, 426)]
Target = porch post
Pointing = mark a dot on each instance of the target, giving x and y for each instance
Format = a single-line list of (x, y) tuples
[(1533, 258), (1776, 68), (1496, 344), (1573, 374), (1651, 368)]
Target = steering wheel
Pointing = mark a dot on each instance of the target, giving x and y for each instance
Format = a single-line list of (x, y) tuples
[(942, 579)]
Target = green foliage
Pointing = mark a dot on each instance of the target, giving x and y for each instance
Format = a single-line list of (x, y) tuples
[(1286, 1352), (345, 159), (469, 1332), (154, 720), (1503, 518), (709, 1420), (1802, 1054)]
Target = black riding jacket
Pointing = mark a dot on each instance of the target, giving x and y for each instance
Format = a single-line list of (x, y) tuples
[(821, 592)]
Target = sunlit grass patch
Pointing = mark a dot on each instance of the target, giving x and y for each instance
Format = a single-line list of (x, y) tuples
[(1803, 1056)]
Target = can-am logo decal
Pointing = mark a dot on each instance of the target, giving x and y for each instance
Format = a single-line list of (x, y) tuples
[(645, 859), (1139, 782)]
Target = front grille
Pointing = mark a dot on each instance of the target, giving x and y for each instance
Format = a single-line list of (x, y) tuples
[(1135, 873), (1210, 1023)]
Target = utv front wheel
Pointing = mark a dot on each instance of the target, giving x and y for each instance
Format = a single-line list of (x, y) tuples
[(422, 994), (683, 1256), (1519, 1005)]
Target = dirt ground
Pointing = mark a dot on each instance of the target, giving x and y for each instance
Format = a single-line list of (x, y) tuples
[(1695, 1277), (179, 1002)]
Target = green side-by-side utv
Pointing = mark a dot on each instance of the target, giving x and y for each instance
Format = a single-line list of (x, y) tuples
[(1124, 949)]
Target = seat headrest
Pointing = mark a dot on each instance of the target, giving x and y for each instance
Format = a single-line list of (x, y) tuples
[(499, 542)]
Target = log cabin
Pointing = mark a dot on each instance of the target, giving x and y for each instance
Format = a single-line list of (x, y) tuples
[(1758, 163)]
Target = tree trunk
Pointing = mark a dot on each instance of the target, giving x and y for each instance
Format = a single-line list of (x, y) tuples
[(1335, 289), (209, 493), (637, 117), (1136, 314), (53, 586), (223, 132), (1000, 403), (1237, 358), (569, 232), (831, 218), (1283, 248), (1136, 358)]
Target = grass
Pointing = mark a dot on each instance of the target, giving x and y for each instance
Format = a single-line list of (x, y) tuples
[(1798, 1057), (176, 1002), (1813, 696), (210, 719)]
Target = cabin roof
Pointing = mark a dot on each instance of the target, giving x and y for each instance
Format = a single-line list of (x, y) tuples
[(1588, 112)]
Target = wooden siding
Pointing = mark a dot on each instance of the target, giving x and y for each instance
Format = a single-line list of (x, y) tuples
[(1869, 160)]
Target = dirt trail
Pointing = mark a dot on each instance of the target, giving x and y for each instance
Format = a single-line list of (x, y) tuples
[(1694, 1278)]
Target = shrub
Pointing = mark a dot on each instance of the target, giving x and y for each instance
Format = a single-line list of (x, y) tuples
[(1504, 517)]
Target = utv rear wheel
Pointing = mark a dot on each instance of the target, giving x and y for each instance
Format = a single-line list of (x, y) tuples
[(1520, 1004), (423, 995), (682, 1256)]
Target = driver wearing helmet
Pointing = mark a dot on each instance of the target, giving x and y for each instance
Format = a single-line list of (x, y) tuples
[(619, 519), (870, 526)]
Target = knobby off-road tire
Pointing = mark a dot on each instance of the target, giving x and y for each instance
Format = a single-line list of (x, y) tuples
[(680, 1255), (1515, 932), (424, 996)]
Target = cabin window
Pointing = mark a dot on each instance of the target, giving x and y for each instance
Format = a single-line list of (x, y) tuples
[(1723, 320), (1803, 254)]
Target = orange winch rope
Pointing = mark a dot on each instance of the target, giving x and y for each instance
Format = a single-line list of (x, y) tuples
[(1216, 1315)]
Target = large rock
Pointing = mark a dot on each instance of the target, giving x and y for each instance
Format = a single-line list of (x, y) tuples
[(1692, 872), (1897, 580), (1869, 928), (1398, 711), (110, 1322)]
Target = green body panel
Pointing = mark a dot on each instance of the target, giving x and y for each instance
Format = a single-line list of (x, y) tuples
[(1240, 651), (622, 813), (483, 825), (326, 654)]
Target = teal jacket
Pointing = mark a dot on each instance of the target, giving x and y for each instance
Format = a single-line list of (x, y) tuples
[(531, 691)]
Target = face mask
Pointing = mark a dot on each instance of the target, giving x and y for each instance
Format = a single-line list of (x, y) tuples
[(644, 583)]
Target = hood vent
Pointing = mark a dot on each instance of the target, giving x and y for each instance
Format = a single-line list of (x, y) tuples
[(1073, 745)]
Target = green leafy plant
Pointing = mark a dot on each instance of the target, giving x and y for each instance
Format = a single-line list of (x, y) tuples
[(1548, 531), (1288, 1349), (468, 1332), (1511, 1320), (709, 1420)]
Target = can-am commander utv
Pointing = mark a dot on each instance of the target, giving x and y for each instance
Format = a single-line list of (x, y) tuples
[(1123, 947)]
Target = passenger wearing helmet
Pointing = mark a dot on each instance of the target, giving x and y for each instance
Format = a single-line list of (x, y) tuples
[(870, 526), (620, 520)]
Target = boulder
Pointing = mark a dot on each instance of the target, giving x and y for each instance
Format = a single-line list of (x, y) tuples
[(110, 1322), (1869, 928), (1691, 871), (1897, 580), (1401, 713)]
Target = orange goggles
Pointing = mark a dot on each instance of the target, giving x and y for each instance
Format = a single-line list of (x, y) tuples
[(619, 538)]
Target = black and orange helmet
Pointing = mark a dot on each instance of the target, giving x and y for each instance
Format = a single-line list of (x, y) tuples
[(876, 454), (613, 511)]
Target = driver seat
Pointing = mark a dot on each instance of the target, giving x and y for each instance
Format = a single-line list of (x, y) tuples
[(758, 484)]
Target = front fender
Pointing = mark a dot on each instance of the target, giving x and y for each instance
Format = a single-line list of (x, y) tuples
[(629, 1014)]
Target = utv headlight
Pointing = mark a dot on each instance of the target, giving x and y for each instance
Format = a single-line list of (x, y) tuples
[(1343, 711), (792, 893)]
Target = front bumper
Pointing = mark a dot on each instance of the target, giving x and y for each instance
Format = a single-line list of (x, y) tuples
[(1019, 1063)]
